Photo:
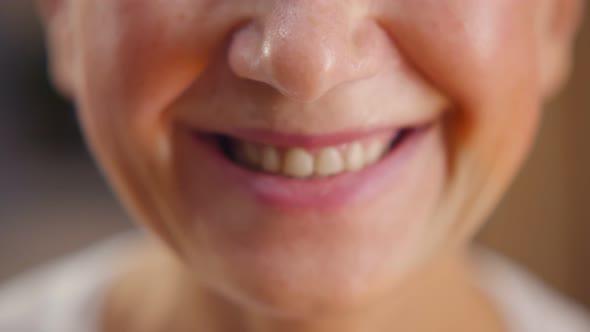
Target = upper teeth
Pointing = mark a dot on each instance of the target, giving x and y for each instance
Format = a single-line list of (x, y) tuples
[(303, 163)]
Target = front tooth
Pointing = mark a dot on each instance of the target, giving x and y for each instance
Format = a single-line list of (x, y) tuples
[(354, 157), (374, 152), (298, 163), (270, 160), (328, 162)]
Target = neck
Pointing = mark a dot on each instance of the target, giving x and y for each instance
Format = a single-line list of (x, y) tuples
[(441, 294)]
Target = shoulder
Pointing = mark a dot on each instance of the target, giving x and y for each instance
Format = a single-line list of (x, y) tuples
[(57, 296), (525, 301)]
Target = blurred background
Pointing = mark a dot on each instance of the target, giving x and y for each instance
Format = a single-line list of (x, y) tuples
[(53, 200)]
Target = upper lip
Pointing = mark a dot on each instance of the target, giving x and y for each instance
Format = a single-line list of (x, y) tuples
[(288, 140)]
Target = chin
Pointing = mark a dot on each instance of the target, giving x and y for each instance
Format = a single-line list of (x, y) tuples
[(306, 279)]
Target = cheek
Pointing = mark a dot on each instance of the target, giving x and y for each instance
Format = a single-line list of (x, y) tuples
[(144, 58), (476, 51), (483, 55), (129, 73)]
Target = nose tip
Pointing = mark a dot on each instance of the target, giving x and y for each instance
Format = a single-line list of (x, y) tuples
[(304, 54)]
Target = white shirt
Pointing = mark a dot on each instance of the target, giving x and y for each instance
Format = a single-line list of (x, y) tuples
[(67, 296)]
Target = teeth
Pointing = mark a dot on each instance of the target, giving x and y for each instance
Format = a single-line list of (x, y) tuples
[(270, 159), (248, 154), (328, 162), (298, 163), (302, 163), (252, 154), (354, 157), (374, 152)]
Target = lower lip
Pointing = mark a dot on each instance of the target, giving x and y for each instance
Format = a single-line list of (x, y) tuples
[(313, 194)]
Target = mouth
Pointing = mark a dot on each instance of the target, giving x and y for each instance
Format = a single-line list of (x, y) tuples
[(310, 162), (301, 173)]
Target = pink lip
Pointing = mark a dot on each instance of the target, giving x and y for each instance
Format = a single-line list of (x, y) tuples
[(309, 194), (274, 138)]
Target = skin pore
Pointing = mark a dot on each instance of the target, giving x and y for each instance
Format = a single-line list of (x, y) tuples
[(169, 92)]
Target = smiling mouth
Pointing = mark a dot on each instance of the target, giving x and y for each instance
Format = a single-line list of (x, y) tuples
[(294, 172), (311, 162)]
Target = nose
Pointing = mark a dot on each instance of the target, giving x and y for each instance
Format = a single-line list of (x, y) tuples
[(306, 48)]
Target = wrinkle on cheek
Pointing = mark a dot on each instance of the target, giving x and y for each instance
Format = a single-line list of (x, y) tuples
[(482, 54), (132, 70), (146, 56)]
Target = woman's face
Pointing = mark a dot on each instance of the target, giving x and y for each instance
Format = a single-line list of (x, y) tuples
[(309, 154)]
